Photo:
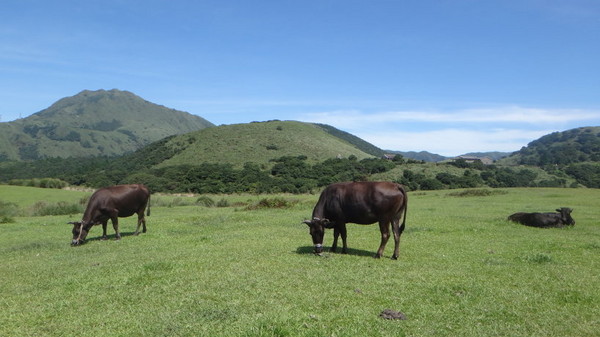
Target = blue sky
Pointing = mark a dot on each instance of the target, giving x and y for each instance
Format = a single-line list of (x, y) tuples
[(446, 76)]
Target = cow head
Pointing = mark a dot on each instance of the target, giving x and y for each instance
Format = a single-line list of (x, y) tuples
[(317, 231), (80, 231), (565, 215)]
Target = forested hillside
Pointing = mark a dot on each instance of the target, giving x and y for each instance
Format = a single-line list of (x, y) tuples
[(574, 153), (561, 148), (296, 157), (93, 123)]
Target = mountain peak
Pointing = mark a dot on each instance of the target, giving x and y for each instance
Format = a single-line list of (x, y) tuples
[(94, 123)]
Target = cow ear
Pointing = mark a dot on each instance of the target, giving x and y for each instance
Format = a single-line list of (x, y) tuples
[(559, 210), (327, 223)]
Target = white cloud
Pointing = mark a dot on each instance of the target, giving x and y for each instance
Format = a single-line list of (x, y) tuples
[(510, 114), (453, 142), (452, 133)]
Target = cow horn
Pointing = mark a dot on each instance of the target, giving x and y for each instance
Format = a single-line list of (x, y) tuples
[(308, 222)]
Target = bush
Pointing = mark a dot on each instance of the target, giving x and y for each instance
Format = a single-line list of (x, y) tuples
[(8, 211), (268, 203), (42, 208), (42, 183), (205, 201), (223, 203), (477, 193)]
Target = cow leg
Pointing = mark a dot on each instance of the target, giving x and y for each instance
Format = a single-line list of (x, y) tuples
[(140, 221), (397, 233), (115, 222), (343, 234), (104, 225), (384, 227), (337, 231), (336, 234)]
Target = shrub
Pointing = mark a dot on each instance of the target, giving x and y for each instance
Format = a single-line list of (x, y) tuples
[(42, 208), (480, 192), (276, 202), (7, 212), (205, 201), (223, 203), (43, 183)]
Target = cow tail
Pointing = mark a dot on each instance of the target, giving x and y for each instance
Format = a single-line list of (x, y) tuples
[(405, 206), (148, 211)]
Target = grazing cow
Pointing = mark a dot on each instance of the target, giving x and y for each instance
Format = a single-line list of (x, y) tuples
[(361, 203), (112, 203), (544, 220)]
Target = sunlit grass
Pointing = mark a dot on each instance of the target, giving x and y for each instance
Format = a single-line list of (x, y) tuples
[(237, 271)]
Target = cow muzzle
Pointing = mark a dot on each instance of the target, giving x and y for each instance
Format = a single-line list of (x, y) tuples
[(76, 242), (319, 249)]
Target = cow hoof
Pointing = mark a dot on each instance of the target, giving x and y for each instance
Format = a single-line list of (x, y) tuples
[(377, 256), (394, 257), (105, 237), (136, 233)]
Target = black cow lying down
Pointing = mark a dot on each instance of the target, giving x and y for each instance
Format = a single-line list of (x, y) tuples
[(545, 220), (111, 203)]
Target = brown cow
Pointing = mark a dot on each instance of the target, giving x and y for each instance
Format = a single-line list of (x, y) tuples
[(112, 203), (361, 203)]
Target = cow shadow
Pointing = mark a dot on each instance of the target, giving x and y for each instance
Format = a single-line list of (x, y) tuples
[(326, 250), (109, 237)]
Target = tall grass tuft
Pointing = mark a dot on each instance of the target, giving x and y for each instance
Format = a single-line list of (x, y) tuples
[(42, 208), (275, 202), (478, 192), (8, 211), (42, 183), (205, 201), (538, 258)]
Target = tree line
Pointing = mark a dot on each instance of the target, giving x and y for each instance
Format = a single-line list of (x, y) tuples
[(288, 174)]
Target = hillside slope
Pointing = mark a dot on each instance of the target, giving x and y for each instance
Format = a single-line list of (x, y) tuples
[(93, 123), (560, 148), (258, 142)]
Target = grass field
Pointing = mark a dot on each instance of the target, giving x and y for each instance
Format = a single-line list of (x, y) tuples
[(230, 271)]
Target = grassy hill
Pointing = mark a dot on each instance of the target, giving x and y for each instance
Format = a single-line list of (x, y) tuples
[(259, 142), (93, 123), (560, 148)]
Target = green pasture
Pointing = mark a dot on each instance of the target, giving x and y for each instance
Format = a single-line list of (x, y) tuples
[(247, 270)]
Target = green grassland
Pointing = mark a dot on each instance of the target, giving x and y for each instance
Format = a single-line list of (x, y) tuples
[(244, 270)]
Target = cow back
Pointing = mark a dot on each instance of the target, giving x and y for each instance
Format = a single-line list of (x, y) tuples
[(360, 202), (537, 219), (127, 199)]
